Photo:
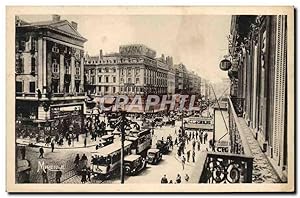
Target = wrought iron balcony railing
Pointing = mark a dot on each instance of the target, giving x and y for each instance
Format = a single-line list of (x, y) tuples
[(236, 166), (217, 167)]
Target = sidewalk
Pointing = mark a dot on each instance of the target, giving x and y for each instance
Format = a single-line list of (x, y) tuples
[(75, 144), (262, 169)]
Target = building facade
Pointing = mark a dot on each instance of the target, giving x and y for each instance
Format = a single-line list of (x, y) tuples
[(258, 48), (133, 70), (49, 72)]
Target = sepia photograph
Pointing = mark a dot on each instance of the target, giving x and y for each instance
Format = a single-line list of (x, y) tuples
[(150, 99)]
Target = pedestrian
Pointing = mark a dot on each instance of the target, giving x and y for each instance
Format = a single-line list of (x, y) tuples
[(188, 155), (41, 153), (83, 178), (187, 177), (77, 136), (164, 180), (45, 176), (88, 171), (84, 142), (194, 144), (178, 179), (84, 160), (69, 141), (76, 162), (198, 143), (183, 162), (205, 137), (193, 155), (200, 137), (52, 146), (58, 176)]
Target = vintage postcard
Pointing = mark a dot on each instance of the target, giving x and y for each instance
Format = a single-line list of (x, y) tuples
[(150, 99)]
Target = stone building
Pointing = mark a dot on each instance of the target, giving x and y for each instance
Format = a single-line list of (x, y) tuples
[(133, 70), (49, 72), (258, 48)]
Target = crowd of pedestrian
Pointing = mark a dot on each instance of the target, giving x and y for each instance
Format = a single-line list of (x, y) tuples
[(178, 180)]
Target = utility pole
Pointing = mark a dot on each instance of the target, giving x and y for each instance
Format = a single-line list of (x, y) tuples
[(122, 145)]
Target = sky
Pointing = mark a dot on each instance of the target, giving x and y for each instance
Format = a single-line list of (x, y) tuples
[(197, 41)]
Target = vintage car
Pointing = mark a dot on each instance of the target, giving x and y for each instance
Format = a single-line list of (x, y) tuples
[(134, 164), (159, 121), (163, 145), (153, 156)]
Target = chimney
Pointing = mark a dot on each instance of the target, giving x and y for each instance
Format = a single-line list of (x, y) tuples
[(74, 25), (55, 17), (101, 54)]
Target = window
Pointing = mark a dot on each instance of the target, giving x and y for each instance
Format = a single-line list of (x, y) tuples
[(114, 90), (137, 71), (114, 70), (106, 70), (22, 45), (77, 70), (106, 79), (114, 79), (55, 48), (92, 79), (137, 80), (67, 67), (106, 88), (122, 71), (31, 87), (32, 64), (33, 44), (100, 79), (19, 86), (129, 80), (99, 70), (92, 72), (122, 80), (55, 66), (129, 71), (121, 89)]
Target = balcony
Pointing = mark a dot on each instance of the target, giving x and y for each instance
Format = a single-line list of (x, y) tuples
[(55, 96), (236, 166)]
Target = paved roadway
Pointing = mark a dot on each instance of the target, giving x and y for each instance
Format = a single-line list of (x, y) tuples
[(170, 164)]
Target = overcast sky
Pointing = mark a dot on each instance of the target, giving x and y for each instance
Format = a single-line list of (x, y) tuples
[(198, 41)]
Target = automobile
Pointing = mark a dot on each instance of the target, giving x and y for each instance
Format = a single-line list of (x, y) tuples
[(134, 164), (163, 146), (153, 156), (159, 121)]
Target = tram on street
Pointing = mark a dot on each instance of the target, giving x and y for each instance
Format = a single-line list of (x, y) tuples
[(200, 123), (106, 160)]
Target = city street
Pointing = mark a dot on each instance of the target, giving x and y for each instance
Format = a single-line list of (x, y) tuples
[(170, 165)]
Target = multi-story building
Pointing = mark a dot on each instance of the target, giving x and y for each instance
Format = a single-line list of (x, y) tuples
[(181, 79), (49, 72), (133, 70), (259, 82), (171, 77)]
